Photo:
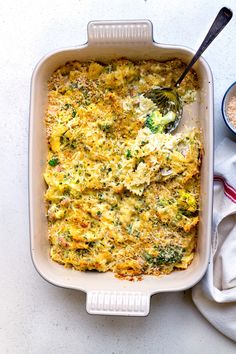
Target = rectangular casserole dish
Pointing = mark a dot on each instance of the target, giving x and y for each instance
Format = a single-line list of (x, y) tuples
[(105, 293)]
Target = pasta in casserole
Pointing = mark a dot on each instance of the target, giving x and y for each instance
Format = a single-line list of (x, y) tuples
[(122, 195)]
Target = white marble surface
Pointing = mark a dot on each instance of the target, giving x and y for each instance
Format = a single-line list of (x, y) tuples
[(36, 317)]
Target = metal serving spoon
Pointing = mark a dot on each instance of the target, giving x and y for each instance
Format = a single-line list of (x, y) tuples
[(167, 98)]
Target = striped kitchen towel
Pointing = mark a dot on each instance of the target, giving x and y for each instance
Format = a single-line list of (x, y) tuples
[(215, 294)]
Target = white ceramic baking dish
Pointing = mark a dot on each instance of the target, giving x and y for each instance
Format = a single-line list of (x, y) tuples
[(105, 293)]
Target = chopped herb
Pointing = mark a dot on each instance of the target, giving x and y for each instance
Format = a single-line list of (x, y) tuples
[(144, 143), (162, 203), (129, 229), (64, 140), (82, 252), (106, 127), (128, 154), (66, 106), (73, 144), (100, 196), (108, 68)]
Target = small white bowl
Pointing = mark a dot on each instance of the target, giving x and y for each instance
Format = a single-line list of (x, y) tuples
[(231, 91)]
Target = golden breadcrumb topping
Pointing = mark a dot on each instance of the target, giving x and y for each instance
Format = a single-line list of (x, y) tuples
[(121, 196)]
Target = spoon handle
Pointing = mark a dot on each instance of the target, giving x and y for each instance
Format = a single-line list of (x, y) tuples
[(221, 20)]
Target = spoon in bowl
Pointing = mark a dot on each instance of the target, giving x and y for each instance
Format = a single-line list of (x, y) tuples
[(167, 98)]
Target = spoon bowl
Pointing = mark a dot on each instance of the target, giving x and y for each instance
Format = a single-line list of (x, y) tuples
[(167, 99)]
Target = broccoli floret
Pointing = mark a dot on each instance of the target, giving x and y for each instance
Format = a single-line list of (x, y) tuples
[(157, 123), (187, 201), (54, 161), (167, 255)]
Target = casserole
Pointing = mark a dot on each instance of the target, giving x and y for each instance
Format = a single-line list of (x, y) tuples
[(105, 293)]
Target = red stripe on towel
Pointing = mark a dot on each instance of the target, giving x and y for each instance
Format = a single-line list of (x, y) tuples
[(230, 192)]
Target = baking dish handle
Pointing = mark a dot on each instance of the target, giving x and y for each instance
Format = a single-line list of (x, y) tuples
[(118, 303), (103, 32)]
